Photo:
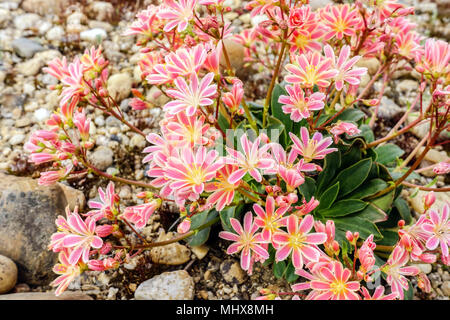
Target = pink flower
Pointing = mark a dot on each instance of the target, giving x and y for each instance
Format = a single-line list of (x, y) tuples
[(439, 230), (190, 171), (251, 160), (298, 241), (378, 294), (106, 207), (310, 69), (335, 284), (366, 255), (146, 24), (442, 168), (340, 21), (73, 81), (83, 124), (66, 270), (140, 214), (436, 58), (51, 177), (77, 235), (307, 40), (222, 191), (343, 127), (233, 99), (212, 62), (190, 97), (299, 106), (270, 220), (408, 44), (103, 265), (301, 17), (345, 66), (259, 6), (178, 13), (245, 240), (285, 167), (181, 130), (104, 230), (184, 226), (315, 148), (396, 271), (307, 207)]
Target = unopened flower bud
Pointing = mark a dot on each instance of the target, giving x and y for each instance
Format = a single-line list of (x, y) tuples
[(401, 224), (429, 199), (349, 236), (184, 226)]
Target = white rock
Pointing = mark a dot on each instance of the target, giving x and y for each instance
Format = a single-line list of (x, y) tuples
[(55, 34), (93, 35), (119, 86), (316, 4), (200, 251), (424, 267), (101, 10), (76, 18), (17, 139), (102, 157), (41, 114), (176, 285), (26, 21), (138, 141), (417, 202), (8, 274)]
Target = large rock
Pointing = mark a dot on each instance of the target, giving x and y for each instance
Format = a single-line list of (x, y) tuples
[(26, 48), (417, 202), (8, 274), (173, 254), (45, 296), (176, 285), (232, 272), (119, 85), (27, 221)]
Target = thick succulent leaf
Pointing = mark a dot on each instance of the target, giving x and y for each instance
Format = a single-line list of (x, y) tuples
[(350, 114), (343, 208), (356, 224), (384, 202), (202, 236), (328, 197), (308, 188), (332, 163), (369, 188), (372, 213), (403, 209), (390, 238), (388, 153), (278, 269), (277, 111), (352, 177), (228, 213)]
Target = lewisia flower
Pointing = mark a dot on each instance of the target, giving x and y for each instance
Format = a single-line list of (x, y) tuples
[(146, 24), (439, 230), (285, 167), (77, 235), (182, 130), (442, 168), (260, 6), (366, 255), (298, 241), (436, 58), (190, 97), (343, 127), (378, 294), (222, 191), (306, 40), (140, 214), (270, 220), (310, 69), (246, 240), (315, 148), (251, 160), (340, 21), (233, 99), (190, 171), (335, 284), (396, 271), (74, 82), (298, 105), (178, 13), (408, 44), (66, 270), (106, 206), (345, 66), (50, 177), (247, 38)]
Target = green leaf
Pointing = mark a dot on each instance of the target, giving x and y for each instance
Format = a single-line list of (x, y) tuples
[(367, 133), (390, 238), (228, 213), (350, 114), (277, 111), (289, 273), (372, 214), (356, 224), (331, 164), (409, 294), (308, 188), (274, 124), (368, 189), (278, 269), (223, 123), (403, 209), (388, 153), (352, 177), (343, 208), (202, 236), (384, 202), (328, 197)]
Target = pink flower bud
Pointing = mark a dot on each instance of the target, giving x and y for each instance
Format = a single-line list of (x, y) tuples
[(184, 226), (106, 248), (349, 236), (104, 230), (429, 199)]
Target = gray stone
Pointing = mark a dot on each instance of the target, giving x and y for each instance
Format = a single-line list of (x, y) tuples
[(26, 48), (27, 221), (8, 274), (388, 108), (176, 285), (446, 288), (68, 295), (102, 157)]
